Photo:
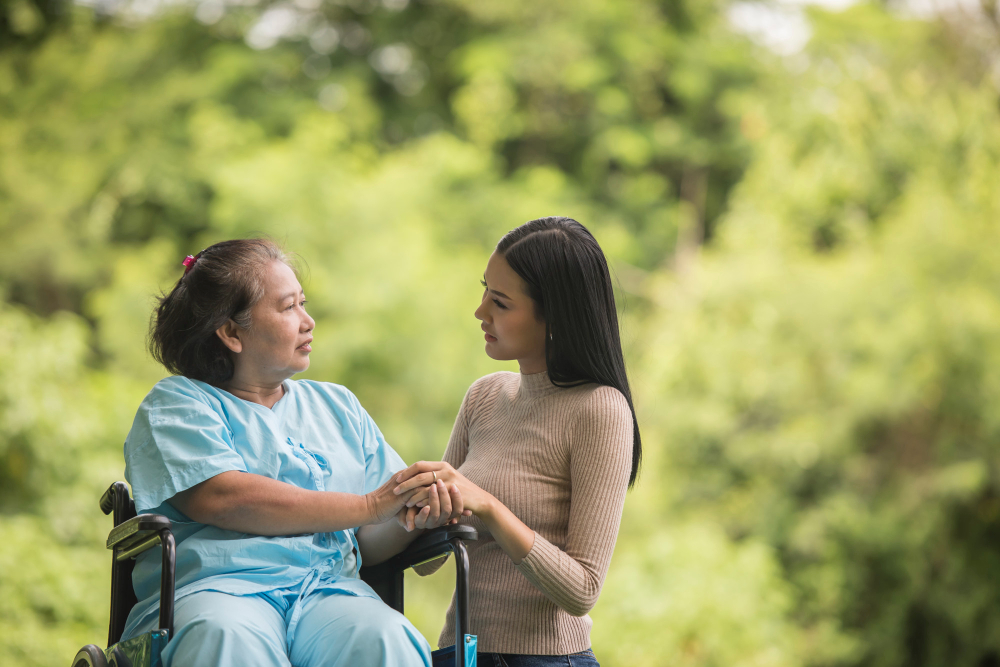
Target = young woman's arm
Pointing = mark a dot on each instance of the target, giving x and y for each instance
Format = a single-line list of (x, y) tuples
[(600, 465), (601, 461)]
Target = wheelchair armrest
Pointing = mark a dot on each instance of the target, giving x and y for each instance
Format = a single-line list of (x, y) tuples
[(141, 533), (137, 530), (433, 543)]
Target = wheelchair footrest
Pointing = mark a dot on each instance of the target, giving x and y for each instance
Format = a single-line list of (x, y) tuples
[(141, 651)]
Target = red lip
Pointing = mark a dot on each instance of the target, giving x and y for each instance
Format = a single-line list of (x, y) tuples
[(489, 337), (305, 345)]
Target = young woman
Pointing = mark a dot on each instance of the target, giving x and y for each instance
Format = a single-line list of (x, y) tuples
[(543, 457)]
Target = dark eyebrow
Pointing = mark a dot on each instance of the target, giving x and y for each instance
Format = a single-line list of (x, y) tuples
[(498, 293)]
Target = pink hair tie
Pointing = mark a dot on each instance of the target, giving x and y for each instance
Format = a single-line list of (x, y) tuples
[(189, 262)]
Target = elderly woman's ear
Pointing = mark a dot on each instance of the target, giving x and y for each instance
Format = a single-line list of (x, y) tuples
[(229, 334)]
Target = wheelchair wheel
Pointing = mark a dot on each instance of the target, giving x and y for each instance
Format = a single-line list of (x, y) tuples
[(90, 656)]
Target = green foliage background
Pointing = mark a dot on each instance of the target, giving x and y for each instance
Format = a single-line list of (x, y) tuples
[(807, 250)]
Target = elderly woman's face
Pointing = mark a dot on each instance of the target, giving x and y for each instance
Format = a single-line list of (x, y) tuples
[(277, 344)]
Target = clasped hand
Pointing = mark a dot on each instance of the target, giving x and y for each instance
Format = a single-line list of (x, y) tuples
[(439, 503), (436, 489)]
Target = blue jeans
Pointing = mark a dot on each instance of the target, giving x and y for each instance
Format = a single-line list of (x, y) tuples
[(446, 658)]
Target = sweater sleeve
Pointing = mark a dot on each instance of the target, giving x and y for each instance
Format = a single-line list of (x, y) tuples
[(600, 465), (454, 453)]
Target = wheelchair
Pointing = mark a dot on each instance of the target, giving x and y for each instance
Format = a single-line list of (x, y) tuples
[(133, 534)]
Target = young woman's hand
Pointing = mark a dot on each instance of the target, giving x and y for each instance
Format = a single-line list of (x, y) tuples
[(444, 506), (415, 483)]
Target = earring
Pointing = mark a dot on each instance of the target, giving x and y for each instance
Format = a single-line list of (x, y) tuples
[(550, 336)]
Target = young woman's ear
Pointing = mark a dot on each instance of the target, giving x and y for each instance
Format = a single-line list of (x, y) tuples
[(229, 334)]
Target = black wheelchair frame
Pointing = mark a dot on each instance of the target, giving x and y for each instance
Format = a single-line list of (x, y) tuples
[(133, 534)]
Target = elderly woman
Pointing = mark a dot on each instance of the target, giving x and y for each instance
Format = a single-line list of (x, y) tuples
[(278, 489)]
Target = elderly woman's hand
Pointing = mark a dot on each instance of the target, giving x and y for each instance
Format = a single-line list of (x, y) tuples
[(444, 506), (383, 503)]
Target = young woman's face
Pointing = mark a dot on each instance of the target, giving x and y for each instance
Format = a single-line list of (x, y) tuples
[(276, 346), (512, 326)]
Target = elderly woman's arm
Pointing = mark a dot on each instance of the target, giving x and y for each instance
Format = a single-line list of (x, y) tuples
[(249, 503)]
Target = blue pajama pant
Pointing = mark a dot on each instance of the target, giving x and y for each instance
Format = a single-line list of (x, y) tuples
[(330, 629)]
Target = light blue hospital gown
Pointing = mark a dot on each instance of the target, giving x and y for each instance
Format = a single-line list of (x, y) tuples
[(247, 599)]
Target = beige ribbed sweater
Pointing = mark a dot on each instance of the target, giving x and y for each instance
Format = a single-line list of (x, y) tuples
[(559, 459)]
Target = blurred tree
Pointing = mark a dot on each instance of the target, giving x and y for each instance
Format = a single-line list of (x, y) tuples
[(27, 22), (827, 377)]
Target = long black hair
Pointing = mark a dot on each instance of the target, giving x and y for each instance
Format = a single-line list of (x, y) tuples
[(568, 279)]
